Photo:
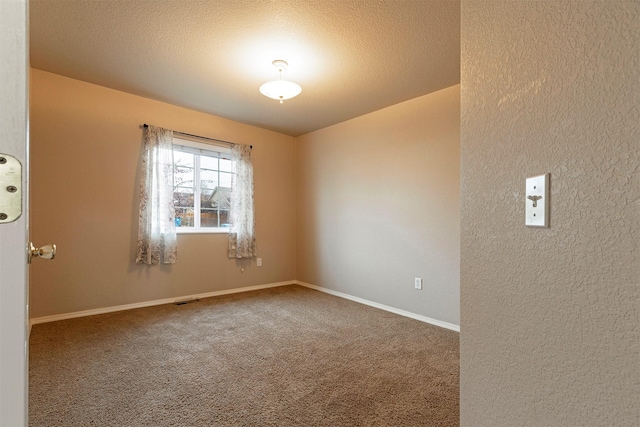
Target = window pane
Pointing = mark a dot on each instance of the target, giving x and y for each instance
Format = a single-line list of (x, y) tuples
[(219, 199), (225, 165), (214, 218), (183, 197), (208, 179), (225, 180), (183, 176), (205, 198), (208, 218), (224, 219), (207, 162), (184, 217), (182, 159)]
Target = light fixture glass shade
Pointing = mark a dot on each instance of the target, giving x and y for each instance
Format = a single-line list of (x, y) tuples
[(280, 89)]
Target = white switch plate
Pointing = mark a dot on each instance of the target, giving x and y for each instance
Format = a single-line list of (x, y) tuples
[(537, 201), (418, 283), (259, 262)]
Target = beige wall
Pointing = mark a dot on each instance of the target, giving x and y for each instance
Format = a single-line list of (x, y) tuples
[(550, 317), (378, 204), (85, 152)]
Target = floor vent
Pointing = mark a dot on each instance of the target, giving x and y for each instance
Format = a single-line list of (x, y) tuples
[(189, 301)]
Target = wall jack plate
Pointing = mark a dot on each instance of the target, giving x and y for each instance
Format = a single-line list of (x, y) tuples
[(537, 201)]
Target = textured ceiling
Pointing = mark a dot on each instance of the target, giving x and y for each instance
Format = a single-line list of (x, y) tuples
[(351, 57)]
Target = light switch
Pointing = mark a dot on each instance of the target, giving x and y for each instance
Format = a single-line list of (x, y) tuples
[(537, 201)]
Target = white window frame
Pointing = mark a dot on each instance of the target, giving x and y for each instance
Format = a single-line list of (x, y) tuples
[(194, 145)]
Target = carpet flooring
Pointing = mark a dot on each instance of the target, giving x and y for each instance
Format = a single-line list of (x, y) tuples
[(286, 356)]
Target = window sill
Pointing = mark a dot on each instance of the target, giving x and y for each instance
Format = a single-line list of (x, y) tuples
[(203, 231)]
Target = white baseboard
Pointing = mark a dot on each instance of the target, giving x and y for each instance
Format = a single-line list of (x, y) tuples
[(425, 319), (93, 312), (56, 317)]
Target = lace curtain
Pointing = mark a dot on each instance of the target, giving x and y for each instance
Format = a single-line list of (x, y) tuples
[(157, 240), (242, 234)]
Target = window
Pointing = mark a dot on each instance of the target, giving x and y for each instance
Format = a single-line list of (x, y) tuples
[(201, 186)]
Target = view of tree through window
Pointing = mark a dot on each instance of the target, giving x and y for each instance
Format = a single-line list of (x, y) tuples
[(202, 187)]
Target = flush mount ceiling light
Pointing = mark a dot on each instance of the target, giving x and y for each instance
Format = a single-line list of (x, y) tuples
[(280, 89)]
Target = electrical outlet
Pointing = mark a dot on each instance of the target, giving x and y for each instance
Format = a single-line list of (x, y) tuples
[(259, 262), (418, 283)]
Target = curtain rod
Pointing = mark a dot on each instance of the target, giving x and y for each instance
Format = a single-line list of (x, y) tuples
[(202, 137)]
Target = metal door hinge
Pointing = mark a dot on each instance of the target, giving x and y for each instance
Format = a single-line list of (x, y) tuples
[(10, 188)]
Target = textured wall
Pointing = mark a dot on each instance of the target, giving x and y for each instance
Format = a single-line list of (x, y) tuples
[(550, 317), (378, 204), (85, 151)]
